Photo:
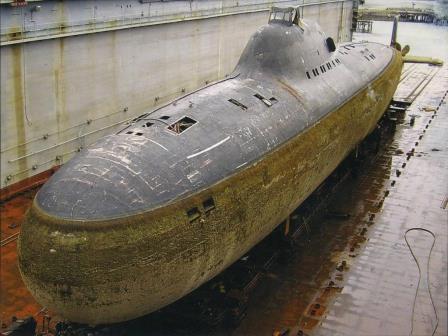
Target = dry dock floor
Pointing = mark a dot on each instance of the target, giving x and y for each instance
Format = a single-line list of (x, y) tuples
[(381, 285), (350, 275)]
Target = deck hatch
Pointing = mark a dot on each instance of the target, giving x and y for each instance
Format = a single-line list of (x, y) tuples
[(182, 125)]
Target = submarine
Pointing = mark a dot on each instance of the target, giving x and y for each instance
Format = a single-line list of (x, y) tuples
[(146, 215)]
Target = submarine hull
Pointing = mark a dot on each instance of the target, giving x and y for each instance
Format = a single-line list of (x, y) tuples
[(126, 267)]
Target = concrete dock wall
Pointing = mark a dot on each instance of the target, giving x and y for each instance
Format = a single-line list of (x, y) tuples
[(74, 71)]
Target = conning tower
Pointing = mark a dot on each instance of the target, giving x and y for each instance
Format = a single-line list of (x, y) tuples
[(288, 46)]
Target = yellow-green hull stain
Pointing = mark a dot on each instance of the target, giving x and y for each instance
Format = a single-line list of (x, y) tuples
[(99, 272)]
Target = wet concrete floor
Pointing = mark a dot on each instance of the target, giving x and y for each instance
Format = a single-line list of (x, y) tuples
[(379, 295), (352, 272)]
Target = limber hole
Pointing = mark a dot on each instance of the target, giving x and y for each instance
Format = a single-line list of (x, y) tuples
[(268, 102), (193, 214), (208, 204), (135, 133), (237, 103)]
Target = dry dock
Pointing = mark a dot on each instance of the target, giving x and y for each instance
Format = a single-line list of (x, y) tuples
[(350, 272)]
